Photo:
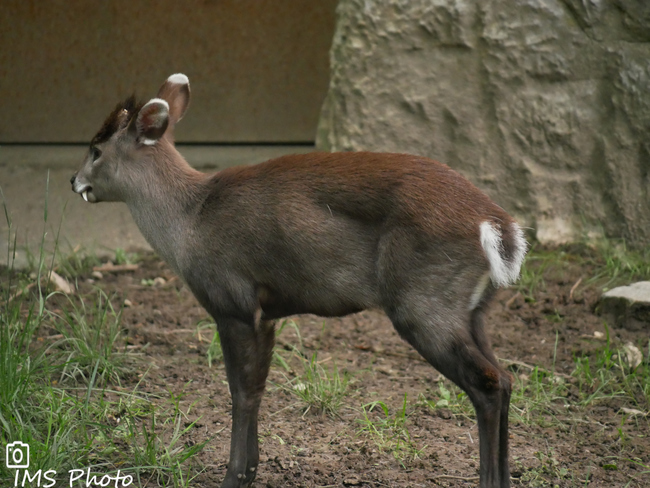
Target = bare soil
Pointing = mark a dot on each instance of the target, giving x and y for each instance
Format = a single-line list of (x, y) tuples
[(572, 447)]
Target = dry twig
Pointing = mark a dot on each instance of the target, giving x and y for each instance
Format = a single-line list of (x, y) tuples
[(573, 288), (116, 268)]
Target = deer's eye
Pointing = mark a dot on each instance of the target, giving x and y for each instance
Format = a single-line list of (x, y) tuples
[(95, 153)]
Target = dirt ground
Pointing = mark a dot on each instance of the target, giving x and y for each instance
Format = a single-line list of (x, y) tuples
[(309, 449)]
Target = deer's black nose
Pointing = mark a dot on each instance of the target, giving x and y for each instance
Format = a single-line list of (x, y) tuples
[(72, 179)]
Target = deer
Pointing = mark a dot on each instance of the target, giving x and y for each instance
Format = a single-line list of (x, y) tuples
[(329, 234)]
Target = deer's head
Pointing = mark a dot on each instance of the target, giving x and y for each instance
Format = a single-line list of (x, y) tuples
[(126, 148)]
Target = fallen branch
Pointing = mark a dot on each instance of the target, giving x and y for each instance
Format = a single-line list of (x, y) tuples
[(512, 299), (452, 477), (403, 355), (54, 337), (116, 268), (530, 367), (20, 292), (573, 288), (177, 331)]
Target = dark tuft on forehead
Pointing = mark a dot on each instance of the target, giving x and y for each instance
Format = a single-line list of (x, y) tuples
[(118, 119)]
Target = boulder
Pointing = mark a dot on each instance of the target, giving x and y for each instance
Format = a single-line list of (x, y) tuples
[(628, 306), (544, 104)]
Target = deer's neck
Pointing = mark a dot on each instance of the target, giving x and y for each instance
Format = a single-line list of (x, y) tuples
[(164, 204)]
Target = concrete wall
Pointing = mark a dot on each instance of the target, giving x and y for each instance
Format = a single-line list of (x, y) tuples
[(544, 104), (258, 68)]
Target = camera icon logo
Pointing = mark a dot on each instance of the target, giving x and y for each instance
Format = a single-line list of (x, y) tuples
[(17, 455)]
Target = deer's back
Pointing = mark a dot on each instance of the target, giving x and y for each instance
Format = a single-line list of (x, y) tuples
[(373, 188)]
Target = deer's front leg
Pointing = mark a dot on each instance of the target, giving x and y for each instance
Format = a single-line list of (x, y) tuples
[(247, 349)]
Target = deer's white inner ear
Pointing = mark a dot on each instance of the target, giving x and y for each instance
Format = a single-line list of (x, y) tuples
[(152, 121), (179, 79), (156, 101)]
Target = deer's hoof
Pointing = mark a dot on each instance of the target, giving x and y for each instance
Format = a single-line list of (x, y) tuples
[(239, 480)]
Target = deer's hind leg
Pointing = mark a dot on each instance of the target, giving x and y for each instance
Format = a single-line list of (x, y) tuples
[(477, 329), (451, 338)]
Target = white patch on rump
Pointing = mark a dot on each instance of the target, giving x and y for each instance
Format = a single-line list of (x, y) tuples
[(179, 79), (502, 272)]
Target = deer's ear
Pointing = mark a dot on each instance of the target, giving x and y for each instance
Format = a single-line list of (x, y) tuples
[(152, 121), (176, 92)]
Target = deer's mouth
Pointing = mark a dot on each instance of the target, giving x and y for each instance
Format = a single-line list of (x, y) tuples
[(86, 191), (88, 195)]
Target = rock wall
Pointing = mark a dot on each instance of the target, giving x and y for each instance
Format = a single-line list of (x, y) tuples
[(544, 104)]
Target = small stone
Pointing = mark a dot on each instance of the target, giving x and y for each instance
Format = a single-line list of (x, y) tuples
[(281, 463), (128, 303), (97, 274), (352, 481), (633, 355), (159, 281), (60, 283), (385, 369), (443, 413)]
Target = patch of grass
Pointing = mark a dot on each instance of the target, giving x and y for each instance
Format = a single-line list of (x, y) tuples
[(538, 397), (541, 396), (452, 398), (532, 276), (549, 472), (389, 433), (90, 341), (17, 365), (320, 389), (67, 426), (138, 438), (606, 374), (123, 257), (73, 428), (75, 263), (281, 346), (613, 263), (20, 369), (616, 264), (50, 420), (214, 353), (537, 265)]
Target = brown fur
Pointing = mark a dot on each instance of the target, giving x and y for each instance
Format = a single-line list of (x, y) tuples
[(372, 186)]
